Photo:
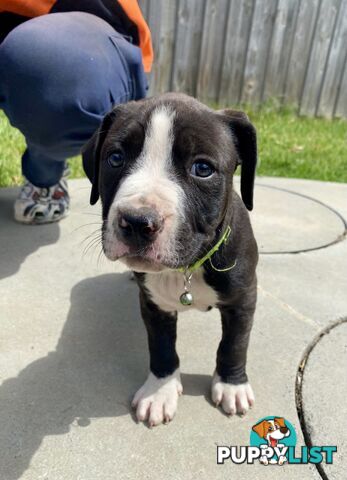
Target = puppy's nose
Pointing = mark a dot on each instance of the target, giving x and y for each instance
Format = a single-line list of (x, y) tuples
[(140, 225), (283, 429)]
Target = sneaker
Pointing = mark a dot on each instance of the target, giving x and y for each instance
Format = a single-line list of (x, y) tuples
[(36, 205)]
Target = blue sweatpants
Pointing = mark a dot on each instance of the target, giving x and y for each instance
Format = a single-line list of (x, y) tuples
[(59, 75)]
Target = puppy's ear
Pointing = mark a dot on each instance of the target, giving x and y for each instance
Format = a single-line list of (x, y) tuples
[(261, 428), (245, 140), (91, 155), (280, 420)]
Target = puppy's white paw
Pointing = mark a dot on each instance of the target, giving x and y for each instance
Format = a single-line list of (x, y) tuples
[(233, 398), (156, 400)]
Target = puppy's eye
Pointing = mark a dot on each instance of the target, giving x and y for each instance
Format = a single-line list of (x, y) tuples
[(202, 169), (116, 159)]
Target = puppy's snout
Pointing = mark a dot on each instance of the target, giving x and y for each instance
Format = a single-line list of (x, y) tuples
[(139, 226)]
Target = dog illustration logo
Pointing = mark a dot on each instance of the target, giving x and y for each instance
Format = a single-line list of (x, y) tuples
[(273, 435), (273, 442)]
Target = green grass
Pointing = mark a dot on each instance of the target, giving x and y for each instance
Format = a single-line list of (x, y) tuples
[(12, 145), (289, 146), (300, 147)]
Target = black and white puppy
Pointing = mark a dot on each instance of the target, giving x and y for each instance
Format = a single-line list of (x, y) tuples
[(163, 168)]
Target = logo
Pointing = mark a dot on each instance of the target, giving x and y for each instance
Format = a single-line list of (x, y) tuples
[(272, 442), (273, 435)]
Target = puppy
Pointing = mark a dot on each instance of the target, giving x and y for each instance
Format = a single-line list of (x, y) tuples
[(163, 168), (272, 431)]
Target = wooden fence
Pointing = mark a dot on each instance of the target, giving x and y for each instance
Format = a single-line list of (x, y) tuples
[(233, 51)]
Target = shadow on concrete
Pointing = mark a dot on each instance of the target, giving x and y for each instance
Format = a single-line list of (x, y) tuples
[(18, 241), (100, 361)]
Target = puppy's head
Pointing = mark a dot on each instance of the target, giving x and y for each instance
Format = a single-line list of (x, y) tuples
[(272, 430), (163, 168)]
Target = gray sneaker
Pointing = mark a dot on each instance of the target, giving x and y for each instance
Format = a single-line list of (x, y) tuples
[(36, 205)]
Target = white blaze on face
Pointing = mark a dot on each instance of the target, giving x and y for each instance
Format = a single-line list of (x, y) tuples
[(151, 183), (276, 433)]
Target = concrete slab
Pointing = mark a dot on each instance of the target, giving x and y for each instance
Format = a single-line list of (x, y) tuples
[(66, 413), (286, 221), (73, 350), (332, 194), (23, 242), (324, 393), (312, 284)]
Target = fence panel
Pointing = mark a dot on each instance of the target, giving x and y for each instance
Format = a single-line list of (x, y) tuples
[(335, 64), (318, 56), (280, 48), (232, 51), (189, 31), (212, 47), (161, 20), (235, 51), (257, 52)]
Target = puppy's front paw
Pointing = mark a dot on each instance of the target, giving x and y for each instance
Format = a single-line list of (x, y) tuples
[(233, 398), (264, 460), (156, 400)]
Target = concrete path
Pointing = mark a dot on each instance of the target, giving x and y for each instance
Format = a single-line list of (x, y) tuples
[(73, 348)]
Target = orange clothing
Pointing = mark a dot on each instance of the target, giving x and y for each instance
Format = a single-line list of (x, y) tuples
[(124, 15)]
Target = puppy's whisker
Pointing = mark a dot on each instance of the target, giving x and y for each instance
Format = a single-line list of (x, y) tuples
[(91, 251), (92, 243), (95, 234), (85, 225), (100, 256), (89, 213), (90, 247)]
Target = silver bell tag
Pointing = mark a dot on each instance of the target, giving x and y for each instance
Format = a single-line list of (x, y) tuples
[(186, 298)]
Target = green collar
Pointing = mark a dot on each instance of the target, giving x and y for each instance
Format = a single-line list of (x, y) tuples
[(192, 268)]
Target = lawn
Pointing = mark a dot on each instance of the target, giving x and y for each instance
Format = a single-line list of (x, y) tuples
[(289, 146)]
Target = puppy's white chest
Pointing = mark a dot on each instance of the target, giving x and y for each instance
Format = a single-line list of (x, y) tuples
[(167, 287)]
